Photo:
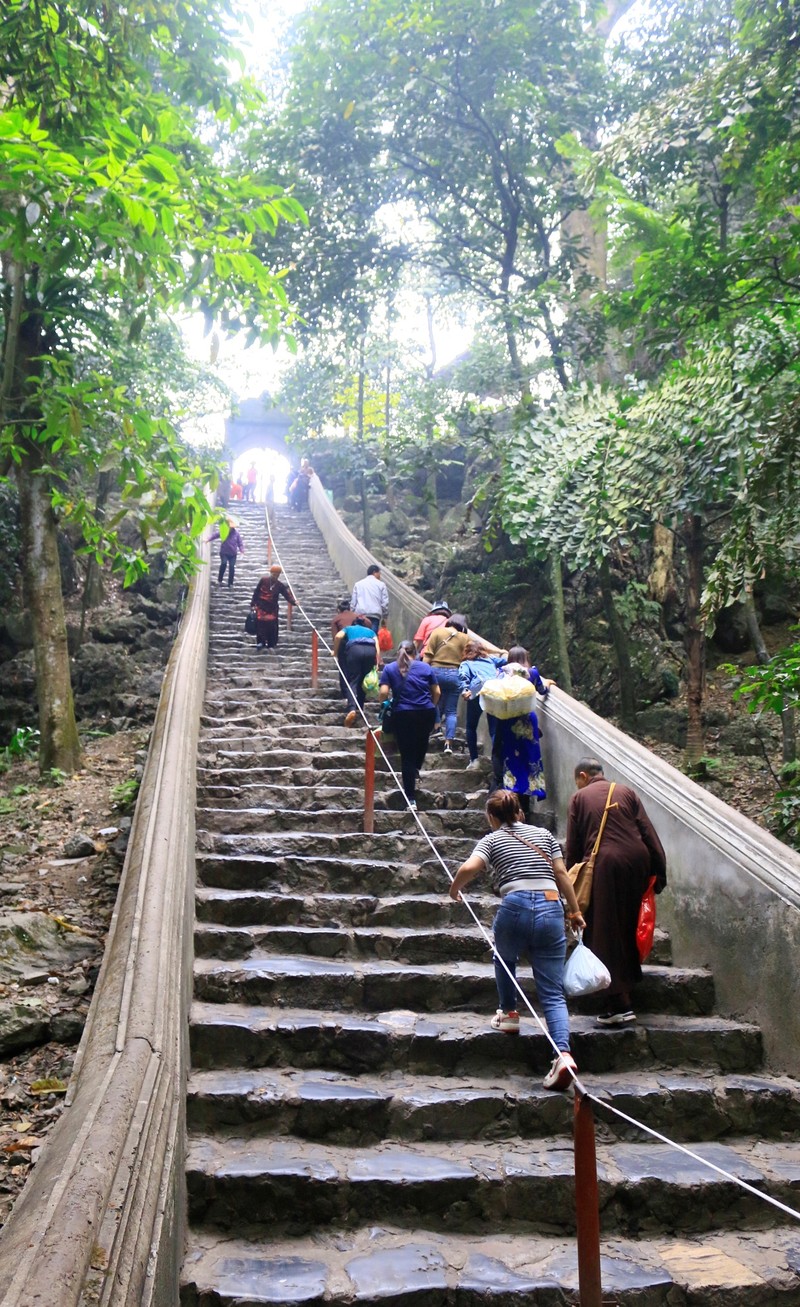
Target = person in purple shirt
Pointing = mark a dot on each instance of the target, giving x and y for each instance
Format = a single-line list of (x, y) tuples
[(231, 545), (411, 684)]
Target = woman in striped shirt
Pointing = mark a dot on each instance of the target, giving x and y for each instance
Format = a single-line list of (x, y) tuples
[(528, 872)]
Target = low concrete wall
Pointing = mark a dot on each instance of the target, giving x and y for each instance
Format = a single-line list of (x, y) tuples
[(102, 1217), (733, 899)]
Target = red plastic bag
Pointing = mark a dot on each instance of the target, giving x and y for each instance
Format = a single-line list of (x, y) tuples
[(646, 925), (385, 641)]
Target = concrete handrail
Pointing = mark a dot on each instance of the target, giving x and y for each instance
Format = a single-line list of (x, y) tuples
[(102, 1216), (734, 890)]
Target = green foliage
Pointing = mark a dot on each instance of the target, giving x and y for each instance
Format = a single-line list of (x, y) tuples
[(772, 686), (124, 794)]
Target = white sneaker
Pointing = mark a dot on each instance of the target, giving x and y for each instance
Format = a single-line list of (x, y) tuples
[(448, 747), (508, 1022), (561, 1073), (473, 766)]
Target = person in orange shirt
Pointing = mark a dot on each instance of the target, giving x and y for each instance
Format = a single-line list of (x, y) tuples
[(250, 488), (236, 490)]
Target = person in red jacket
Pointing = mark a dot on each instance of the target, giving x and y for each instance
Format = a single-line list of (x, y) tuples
[(265, 605)]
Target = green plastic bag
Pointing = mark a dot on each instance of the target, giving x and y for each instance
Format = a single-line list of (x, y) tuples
[(371, 683)]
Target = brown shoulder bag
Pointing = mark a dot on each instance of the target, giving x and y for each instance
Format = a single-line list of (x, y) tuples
[(582, 873)]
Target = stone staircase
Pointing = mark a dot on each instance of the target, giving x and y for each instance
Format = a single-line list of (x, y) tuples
[(356, 1130)]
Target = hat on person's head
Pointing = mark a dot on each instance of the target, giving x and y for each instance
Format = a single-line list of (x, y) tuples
[(373, 568), (441, 606), (276, 569)]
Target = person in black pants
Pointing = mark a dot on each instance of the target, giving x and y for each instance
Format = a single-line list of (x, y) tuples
[(414, 693), (357, 650)]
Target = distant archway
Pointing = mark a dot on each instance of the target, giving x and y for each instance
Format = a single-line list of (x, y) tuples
[(257, 434)]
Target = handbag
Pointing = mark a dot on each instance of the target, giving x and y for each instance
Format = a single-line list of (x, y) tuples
[(250, 622), (584, 973), (646, 925), (582, 873)]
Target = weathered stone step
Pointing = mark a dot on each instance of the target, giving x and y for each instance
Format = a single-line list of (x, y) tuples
[(398, 944), (238, 1034), (468, 823), (291, 1186), (341, 1266), (231, 764), (404, 846), (312, 789), (359, 1110), (304, 870), (373, 985), (260, 907)]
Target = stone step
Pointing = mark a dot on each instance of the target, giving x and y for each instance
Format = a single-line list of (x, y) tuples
[(358, 1110), (312, 790), (341, 1266), (467, 823), (291, 1186), (374, 985), (406, 845), (238, 1034), (440, 942), (318, 873), (398, 944)]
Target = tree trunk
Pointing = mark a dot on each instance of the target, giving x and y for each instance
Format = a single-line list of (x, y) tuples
[(563, 673), (41, 578), (788, 737), (622, 651), (694, 639)]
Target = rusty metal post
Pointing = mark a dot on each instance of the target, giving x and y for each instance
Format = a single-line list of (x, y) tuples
[(314, 659), (289, 611), (369, 785), (587, 1204), (269, 551)]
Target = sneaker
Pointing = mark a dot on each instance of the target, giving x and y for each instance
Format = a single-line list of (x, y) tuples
[(616, 1018), (474, 765), (448, 748), (350, 719), (560, 1075), (508, 1022), (412, 807)]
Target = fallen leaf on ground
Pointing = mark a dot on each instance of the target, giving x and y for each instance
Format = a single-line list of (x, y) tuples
[(50, 1085)]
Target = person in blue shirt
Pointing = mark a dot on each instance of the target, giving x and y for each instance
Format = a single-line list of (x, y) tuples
[(516, 752), (357, 650), (411, 685), (478, 666)]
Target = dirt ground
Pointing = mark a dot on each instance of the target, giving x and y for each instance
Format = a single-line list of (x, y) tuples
[(77, 895)]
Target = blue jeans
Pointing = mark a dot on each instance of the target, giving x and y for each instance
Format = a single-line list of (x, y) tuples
[(447, 680), (527, 922)]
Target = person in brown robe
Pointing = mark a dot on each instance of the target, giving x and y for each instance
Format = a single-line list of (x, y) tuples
[(630, 853), (265, 605)]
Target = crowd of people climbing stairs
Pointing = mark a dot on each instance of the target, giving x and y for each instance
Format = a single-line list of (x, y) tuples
[(613, 855)]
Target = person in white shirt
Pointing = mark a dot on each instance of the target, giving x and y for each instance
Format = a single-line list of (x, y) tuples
[(371, 597)]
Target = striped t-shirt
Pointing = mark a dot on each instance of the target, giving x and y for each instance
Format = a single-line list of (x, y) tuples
[(514, 865)]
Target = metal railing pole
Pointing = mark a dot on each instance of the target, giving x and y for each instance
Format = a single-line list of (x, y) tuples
[(289, 611), (587, 1204), (269, 551), (314, 659), (369, 785)]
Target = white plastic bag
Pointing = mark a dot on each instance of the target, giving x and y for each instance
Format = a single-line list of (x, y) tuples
[(584, 973), (507, 696)]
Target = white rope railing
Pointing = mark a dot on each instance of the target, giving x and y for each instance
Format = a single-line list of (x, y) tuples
[(578, 1084)]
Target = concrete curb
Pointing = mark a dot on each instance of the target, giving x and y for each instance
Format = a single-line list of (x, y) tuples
[(102, 1216)]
